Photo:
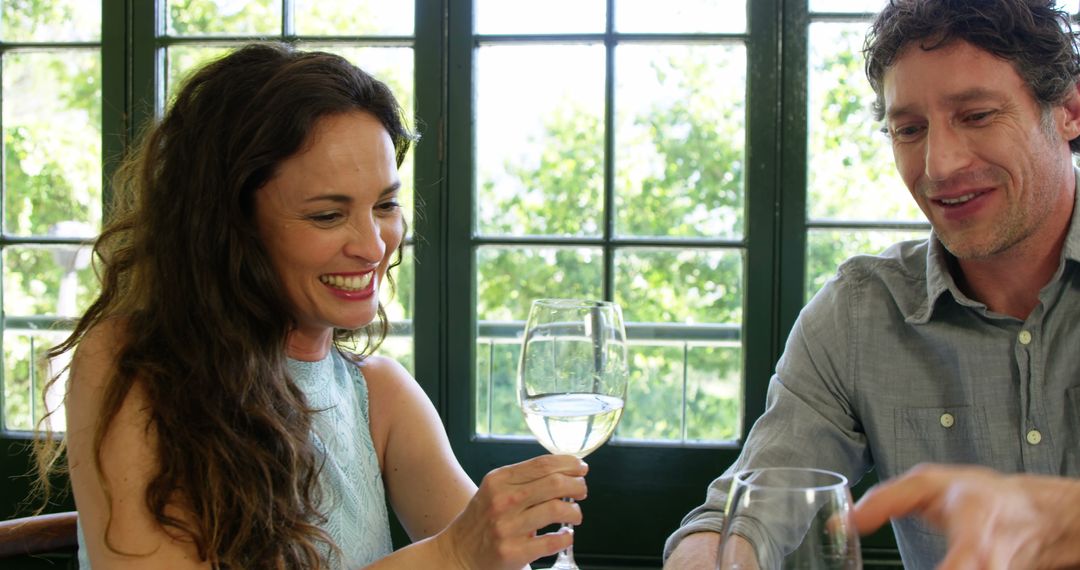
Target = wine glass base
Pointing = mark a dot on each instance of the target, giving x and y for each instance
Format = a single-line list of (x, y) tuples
[(565, 561)]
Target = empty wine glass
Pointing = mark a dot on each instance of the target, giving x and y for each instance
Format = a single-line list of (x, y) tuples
[(789, 518), (572, 378)]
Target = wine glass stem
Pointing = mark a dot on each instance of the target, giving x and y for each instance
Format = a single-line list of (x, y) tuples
[(565, 561)]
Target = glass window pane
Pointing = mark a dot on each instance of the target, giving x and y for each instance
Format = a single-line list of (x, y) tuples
[(658, 407), (532, 17), (223, 17), (48, 280), (654, 396), (848, 6), (851, 172), (400, 301), (714, 392), (497, 411), (25, 374), (354, 18), (182, 60), (400, 348), (52, 140), (826, 249), (680, 285), (53, 21), (399, 304), (680, 140), (508, 280), (681, 16), (540, 140)]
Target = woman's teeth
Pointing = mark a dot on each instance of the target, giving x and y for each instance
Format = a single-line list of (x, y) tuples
[(353, 283)]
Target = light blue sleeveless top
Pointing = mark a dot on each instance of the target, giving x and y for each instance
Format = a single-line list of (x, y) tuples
[(353, 495)]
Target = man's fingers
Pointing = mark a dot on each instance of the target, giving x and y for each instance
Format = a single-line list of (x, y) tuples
[(908, 494)]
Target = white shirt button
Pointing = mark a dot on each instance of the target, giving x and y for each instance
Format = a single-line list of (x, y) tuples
[(1034, 437), (947, 420), (1025, 337)]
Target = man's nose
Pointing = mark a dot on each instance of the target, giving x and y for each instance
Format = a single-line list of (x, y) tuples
[(946, 152)]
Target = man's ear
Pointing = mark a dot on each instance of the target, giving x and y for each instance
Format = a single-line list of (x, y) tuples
[(1068, 114)]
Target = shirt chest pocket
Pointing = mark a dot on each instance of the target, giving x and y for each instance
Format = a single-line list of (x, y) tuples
[(1070, 437), (941, 435)]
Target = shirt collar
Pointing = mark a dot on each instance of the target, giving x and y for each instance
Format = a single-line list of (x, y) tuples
[(939, 278), (1071, 251)]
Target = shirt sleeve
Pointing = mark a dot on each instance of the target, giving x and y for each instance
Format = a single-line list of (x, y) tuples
[(809, 420)]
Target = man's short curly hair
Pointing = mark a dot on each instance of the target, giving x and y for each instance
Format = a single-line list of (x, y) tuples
[(1034, 35)]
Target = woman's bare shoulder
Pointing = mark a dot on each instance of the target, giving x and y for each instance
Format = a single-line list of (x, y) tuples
[(380, 368), (95, 356), (110, 475), (389, 383)]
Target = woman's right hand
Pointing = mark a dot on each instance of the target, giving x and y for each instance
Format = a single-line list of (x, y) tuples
[(498, 528)]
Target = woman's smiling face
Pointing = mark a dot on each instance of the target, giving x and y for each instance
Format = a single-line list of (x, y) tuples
[(331, 222)]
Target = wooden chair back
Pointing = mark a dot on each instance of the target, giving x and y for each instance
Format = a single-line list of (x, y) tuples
[(41, 534)]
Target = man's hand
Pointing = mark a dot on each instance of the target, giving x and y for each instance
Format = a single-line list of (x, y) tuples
[(992, 521)]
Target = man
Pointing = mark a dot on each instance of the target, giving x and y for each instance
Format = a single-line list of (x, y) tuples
[(963, 348)]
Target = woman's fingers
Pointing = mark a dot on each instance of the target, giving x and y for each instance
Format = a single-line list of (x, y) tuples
[(540, 467), (520, 486), (555, 511), (499, 528)]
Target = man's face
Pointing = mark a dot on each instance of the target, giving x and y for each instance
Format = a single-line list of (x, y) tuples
[(972, 145)]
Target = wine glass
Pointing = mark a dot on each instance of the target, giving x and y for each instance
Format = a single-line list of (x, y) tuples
[(789, 518), (572, 379)]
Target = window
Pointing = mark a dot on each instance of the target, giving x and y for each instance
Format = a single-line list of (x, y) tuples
[(607, 155), (610, 153), (50, 54)]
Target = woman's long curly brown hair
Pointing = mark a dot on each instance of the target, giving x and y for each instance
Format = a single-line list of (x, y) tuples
[(205, 315)]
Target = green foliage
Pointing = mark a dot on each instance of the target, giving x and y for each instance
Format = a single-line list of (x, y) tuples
[(209, 17), (25, 374), (50, 20), (680, 161), (852, 175), (559, 193), (52, 161), (680, 286), (509, 278), (353, 18)]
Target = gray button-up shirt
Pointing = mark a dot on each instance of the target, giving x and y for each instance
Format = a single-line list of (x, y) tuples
[(891, 365)]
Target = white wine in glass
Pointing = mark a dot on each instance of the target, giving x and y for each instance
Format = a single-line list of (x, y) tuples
[(572, 378)]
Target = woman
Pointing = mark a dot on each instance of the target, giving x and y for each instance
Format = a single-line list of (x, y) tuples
[(213, 419)]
